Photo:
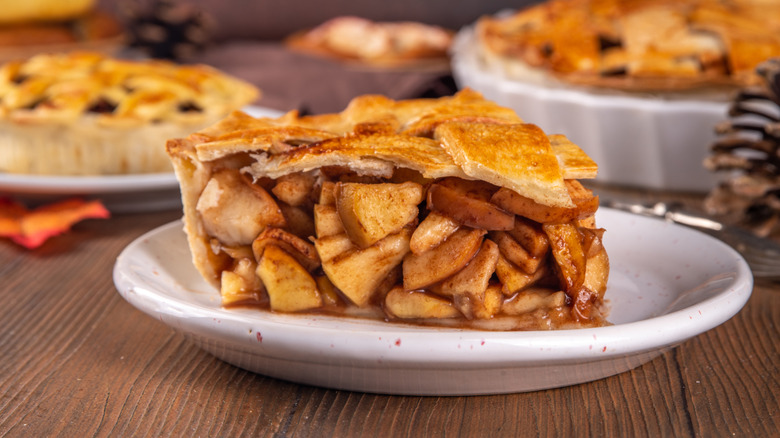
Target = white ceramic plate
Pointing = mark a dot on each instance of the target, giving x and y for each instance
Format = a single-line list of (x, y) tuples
[(667, 284), (644, 141), (119, 193)]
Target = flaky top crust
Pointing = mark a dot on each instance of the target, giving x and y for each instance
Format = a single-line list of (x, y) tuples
[(61, 88), (639, 44), (463, 136)]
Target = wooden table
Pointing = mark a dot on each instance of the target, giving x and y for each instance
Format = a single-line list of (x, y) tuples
[(77, 360)]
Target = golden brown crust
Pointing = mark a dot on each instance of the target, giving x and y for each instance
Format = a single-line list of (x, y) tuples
[(86, 113), (374, 134), (638, 45)]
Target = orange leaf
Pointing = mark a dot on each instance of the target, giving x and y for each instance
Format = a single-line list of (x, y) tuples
[(10, 213), (31, 228)]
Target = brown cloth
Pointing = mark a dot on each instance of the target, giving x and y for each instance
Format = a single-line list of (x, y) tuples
[(291, 80)]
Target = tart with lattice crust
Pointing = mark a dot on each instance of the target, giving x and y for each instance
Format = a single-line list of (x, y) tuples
[(88, 114), (648, 45), (448, 211)]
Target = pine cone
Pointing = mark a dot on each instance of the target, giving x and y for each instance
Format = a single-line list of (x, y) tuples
[(168, 30), (749, 150)]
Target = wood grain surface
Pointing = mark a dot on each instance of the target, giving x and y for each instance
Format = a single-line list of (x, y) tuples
[(76, 360)]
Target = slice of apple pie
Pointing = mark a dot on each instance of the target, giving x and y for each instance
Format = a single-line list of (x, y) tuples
[(448, 211)]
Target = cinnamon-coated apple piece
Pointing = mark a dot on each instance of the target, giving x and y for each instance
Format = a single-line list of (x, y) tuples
[(327, 193), (236, 219), (585, 204), (370, 212), (516, 253), (303, 251), (570, 258), (358, 272), (473, 279), (467, 287), (433, 230), (530, 236), (295, 189), (290, 287), (328, 291), (330, 247), (490, 304), (425, 269), (327, 221), (514, 279), (400, 303), (532, 299), (468, 203), (299, 221), (241, 284), (597, 272)]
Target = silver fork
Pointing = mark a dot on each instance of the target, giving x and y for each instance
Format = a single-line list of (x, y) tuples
[(762, 255)]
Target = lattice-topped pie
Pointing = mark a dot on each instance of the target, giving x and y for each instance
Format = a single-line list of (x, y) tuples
[(448, 211), (636, 45), (88, 114)]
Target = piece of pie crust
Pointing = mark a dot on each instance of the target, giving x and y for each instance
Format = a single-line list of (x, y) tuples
[(449, 211), (356, 40), (89, 114)]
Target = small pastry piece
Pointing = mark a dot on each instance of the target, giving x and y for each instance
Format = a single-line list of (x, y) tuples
[(448, 211), (378, 44)]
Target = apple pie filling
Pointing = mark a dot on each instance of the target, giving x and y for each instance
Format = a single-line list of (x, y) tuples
[(405, 242)]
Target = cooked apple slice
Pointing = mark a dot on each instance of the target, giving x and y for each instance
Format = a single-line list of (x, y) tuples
[(597, 273), (328, 193), (234, 211), (569, 256), (473, 279), (290, 287), (514, 279), (421, 270), (530, 236), (327, 221), (330, 247), (358, 272), (585, 205), (592, 240), (400, 303), (468, 203), (467, 287), (295, 189), (303, 251), (532, 299), (241, 285), (515, 253), (588, 222), (490, 304), (299, 222), (370, 212), (433, 230), (330, 297)]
